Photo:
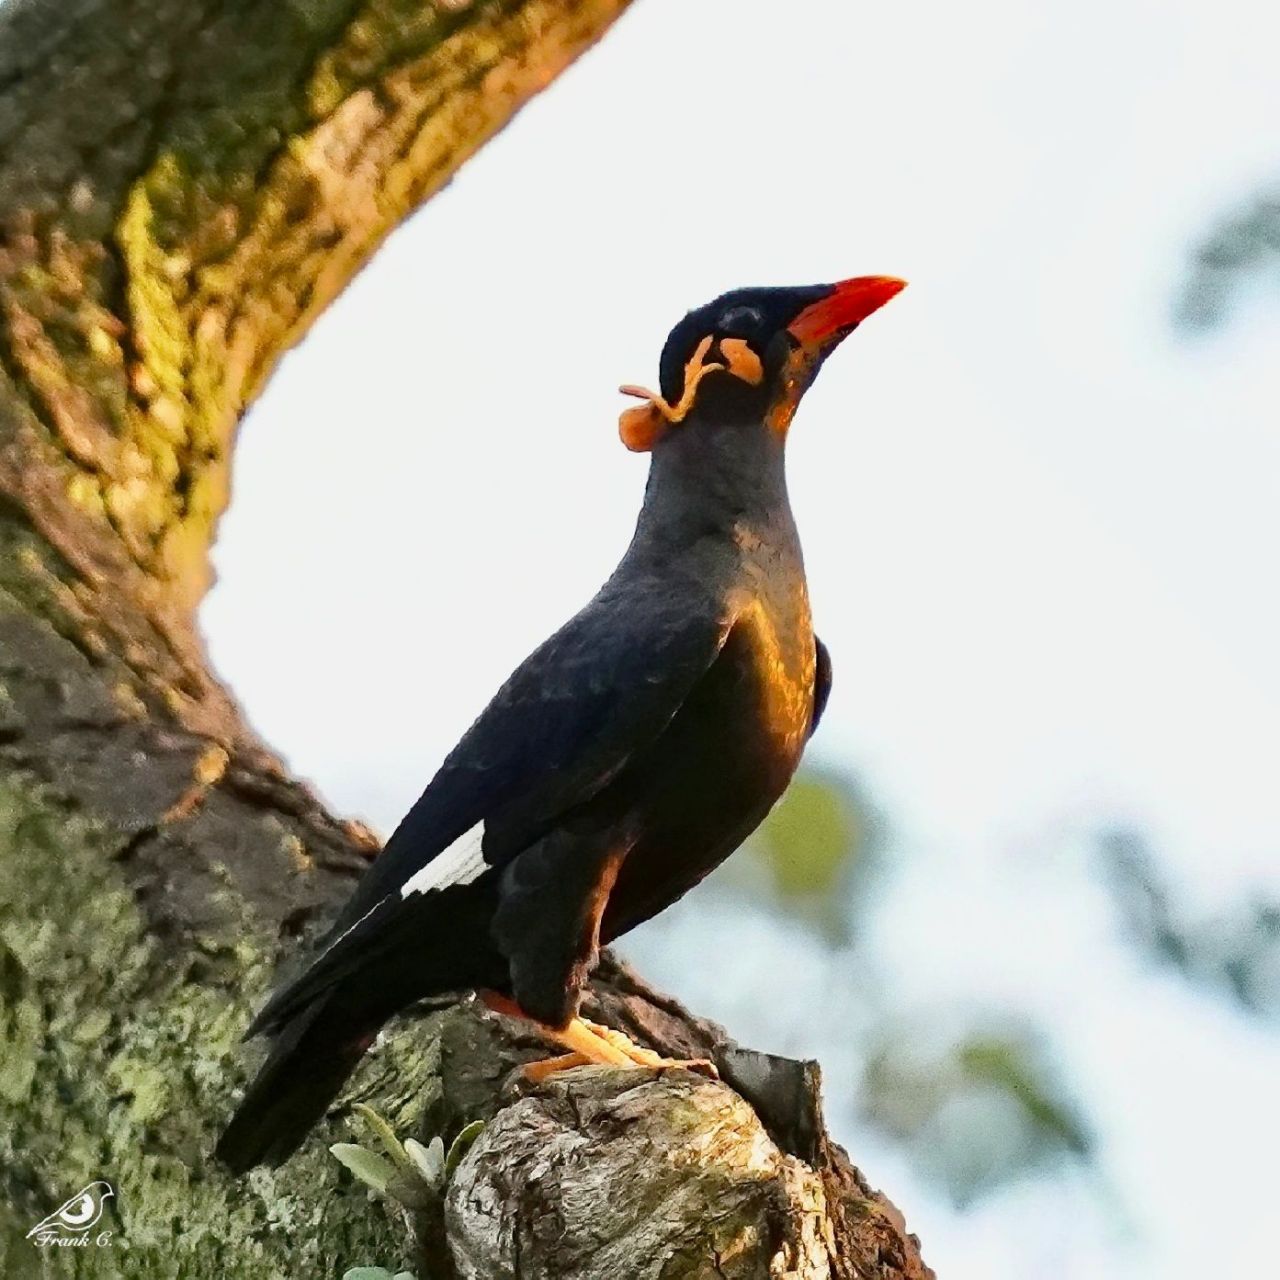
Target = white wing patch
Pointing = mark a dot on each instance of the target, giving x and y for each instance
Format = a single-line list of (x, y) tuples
[(461, 863)]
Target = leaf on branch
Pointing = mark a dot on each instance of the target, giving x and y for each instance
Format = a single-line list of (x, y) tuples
[(428, 1161), (410, 1173), (386, 1135), (460, 1146), (372, 1169)]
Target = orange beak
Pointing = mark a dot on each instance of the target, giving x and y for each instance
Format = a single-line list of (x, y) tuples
[(848, 304)]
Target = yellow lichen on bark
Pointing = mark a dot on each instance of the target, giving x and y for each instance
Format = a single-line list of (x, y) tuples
[(146, 296), (218, 289), (183, 188)]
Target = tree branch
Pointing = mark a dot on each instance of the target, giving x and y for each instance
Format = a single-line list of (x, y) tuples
[(184, 185)]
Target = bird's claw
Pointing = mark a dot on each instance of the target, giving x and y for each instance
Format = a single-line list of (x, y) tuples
[(643, 1057), (593, 1043)]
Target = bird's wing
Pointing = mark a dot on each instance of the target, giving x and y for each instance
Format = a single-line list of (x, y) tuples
[(565, 723), (821, 682)]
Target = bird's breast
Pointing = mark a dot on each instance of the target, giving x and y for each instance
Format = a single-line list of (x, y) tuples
[(722, 762), (772, 644)]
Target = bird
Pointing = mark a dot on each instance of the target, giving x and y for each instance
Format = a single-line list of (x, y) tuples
[(623, 760)]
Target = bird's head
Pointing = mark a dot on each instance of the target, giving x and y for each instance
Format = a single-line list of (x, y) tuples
[(750, 356)]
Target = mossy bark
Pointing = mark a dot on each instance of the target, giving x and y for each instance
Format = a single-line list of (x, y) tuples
[(184, 185)]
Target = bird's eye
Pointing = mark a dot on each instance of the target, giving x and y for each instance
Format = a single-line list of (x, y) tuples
[(740, 322)]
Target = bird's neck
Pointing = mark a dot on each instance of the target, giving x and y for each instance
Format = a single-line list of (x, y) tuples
[(710, 479)]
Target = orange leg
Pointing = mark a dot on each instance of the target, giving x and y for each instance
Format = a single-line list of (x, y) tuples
[(537, 1072), (589, 1042), (643, 1057)]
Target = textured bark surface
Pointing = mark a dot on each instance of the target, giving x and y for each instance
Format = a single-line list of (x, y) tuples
[(600, 1174), (184, 184), (604, 1175)]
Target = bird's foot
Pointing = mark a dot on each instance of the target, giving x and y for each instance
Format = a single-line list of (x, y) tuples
[(545, 1068), (590, 1043), (643, 1057)]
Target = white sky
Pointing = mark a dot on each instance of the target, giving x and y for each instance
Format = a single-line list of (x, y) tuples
[(1040, 528)]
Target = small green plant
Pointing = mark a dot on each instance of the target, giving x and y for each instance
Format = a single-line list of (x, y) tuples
[(409, 1173)]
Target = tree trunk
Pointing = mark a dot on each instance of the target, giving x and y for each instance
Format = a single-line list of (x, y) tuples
[(184, 185)]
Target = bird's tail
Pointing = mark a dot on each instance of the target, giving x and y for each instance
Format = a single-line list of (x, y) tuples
[(325, 1019), (309, 1062)]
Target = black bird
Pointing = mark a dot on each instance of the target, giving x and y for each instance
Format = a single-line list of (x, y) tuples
[(627, 756)]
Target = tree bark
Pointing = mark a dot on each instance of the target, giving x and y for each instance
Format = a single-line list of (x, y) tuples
[(184, 185)]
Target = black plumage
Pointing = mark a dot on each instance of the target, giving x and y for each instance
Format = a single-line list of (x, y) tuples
[(626, 757)]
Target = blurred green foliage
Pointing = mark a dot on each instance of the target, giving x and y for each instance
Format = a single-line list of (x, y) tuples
[(817, 856), (973, 1109), (1234, 953), (1244, 245), (810, 836), (976, 1109)]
